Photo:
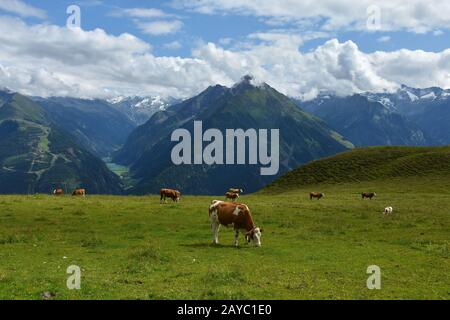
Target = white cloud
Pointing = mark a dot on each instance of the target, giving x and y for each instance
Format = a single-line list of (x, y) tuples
[(49, 60), (151, 21), (160, 27), (22, 9), (416, 15), (144, 13), (384, 39), (174, 45)]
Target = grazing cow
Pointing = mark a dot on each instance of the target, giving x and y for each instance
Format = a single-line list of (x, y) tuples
[(175, 195), (369, 195), (231, 195), (235, 214), (388, 210), (58, 192), (79, 192), (318, 195), (235, 190)]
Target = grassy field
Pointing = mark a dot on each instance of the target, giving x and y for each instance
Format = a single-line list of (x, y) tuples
[(135, 248)]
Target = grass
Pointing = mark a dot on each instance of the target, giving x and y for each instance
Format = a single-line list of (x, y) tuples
[(135, 248), (367, 164)]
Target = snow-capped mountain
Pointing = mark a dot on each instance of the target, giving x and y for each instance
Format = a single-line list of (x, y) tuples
[(407, 100), (408, 116), (141, 109)]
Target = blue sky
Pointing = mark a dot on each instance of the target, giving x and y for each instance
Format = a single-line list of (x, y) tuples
[(179, 47), (214, 27)]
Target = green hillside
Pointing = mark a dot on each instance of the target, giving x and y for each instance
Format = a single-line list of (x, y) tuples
[(36, 156), (94, 124), (368, 164)]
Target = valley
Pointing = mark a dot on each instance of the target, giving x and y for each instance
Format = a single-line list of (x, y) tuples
[(132, 135)]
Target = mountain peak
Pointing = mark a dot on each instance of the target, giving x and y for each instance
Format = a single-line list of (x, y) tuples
[(248, 78), (248, 82)]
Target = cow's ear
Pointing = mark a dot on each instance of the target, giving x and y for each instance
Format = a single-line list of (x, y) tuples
[(261, 230)]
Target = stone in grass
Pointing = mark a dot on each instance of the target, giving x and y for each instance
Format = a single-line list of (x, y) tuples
[(48, 295)]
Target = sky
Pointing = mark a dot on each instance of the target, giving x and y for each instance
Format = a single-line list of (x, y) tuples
[(179, 47)]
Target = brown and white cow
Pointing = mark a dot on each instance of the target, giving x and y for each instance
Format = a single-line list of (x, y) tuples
[(175, 195), (58, 192), (318, 195), (231, 195), (235, 190), (237, 215), (368, 195), (79, 192)]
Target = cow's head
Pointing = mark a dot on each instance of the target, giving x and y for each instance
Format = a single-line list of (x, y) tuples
[(178, 196), (255, 236)]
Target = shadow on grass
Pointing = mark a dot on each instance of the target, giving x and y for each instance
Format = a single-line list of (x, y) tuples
[(200, 245)]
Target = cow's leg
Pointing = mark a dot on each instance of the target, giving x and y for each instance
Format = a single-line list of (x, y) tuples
[(236, 236), (215, 226), (215, 232)]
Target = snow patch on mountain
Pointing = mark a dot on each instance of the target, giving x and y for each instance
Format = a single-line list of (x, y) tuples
[(141, 109)]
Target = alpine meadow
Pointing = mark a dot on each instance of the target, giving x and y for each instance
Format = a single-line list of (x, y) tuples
[(238, 152)]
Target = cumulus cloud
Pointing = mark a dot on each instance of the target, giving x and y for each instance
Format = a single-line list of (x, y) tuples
[(151, 21), (48, 60), (91, 64), (22, 9), (160, 27), (416, 16)]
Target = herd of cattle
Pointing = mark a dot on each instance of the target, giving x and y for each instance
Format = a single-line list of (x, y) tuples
[(224, 213)]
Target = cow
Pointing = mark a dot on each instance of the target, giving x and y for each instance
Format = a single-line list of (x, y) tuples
[(175, 195), (368, 195), (231, 195), (235, 190), (318, 195), (233, 214), (79, 192), (388, 210), (58, 192)]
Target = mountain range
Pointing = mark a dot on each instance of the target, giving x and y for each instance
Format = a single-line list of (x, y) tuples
[(93, 123), (50, 142), (303, 138), (408, 116), (36, 155), (140, 109)]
